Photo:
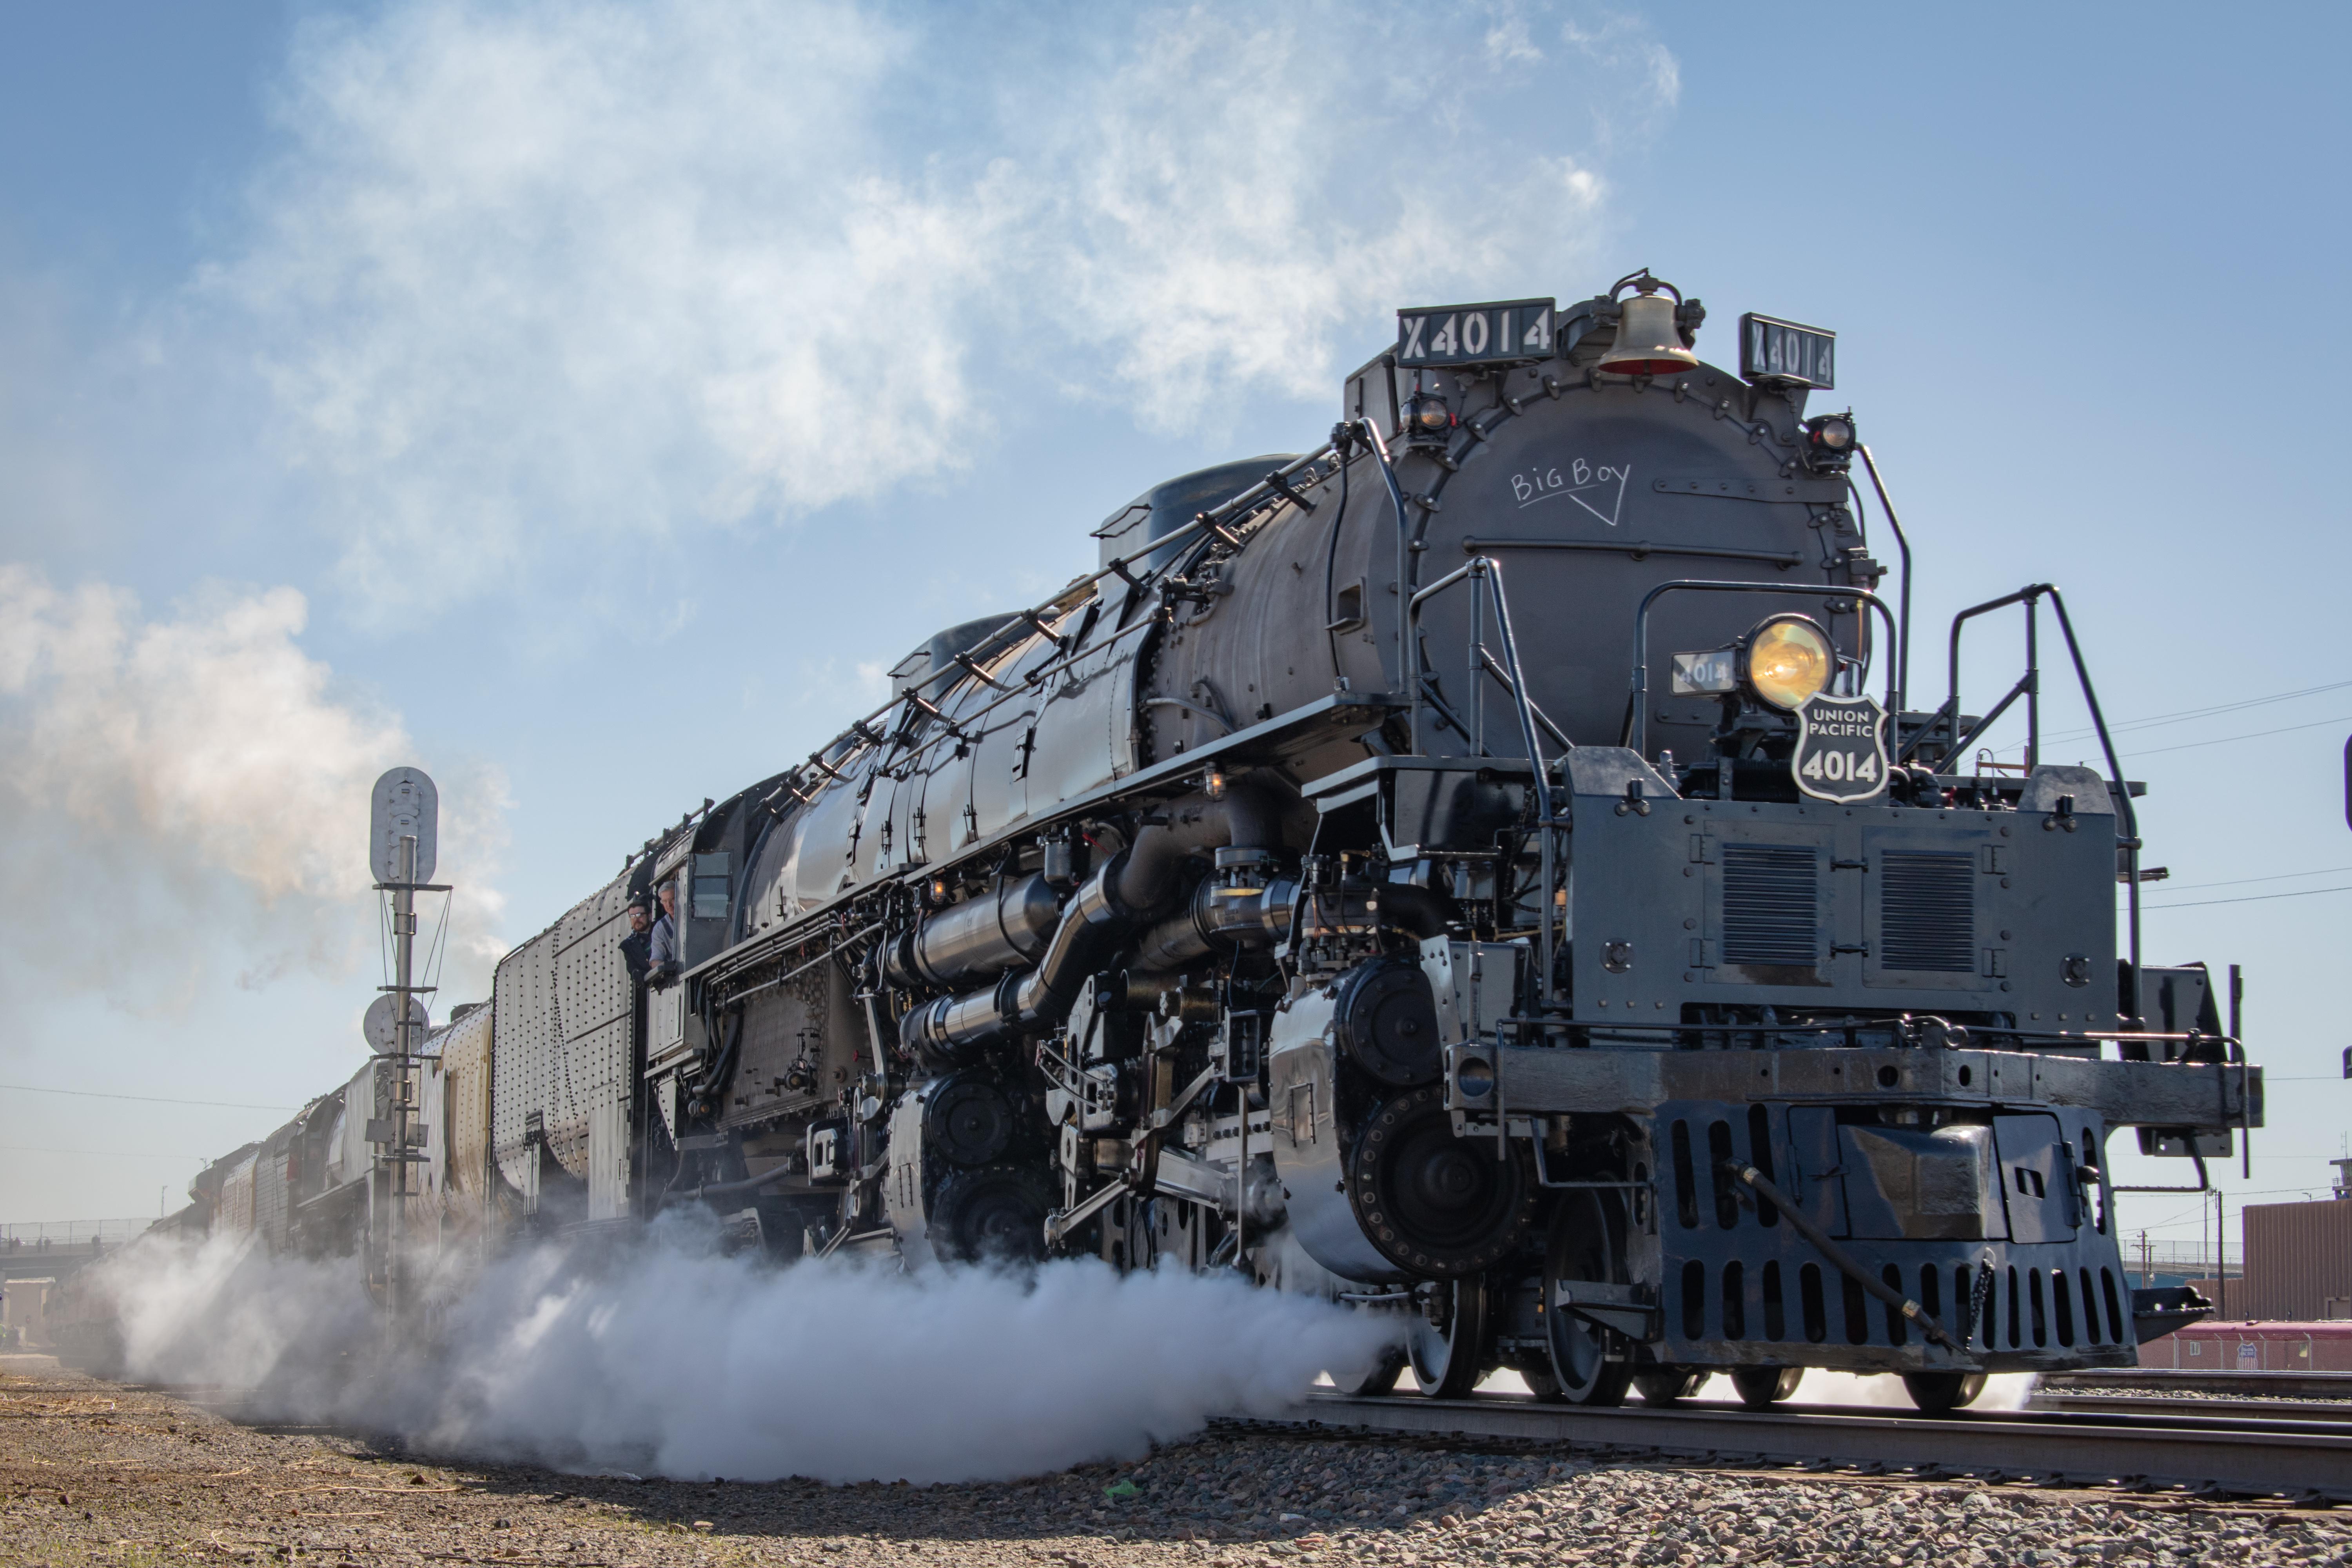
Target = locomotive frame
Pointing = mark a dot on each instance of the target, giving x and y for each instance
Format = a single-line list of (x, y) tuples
[(1288, 894)]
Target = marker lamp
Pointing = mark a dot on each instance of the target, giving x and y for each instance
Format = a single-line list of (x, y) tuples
[(1789, 659), (1426, 415)]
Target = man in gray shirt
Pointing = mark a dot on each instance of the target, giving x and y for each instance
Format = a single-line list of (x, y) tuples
[(664, 955)]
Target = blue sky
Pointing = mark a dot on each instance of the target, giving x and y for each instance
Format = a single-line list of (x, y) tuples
[(586, 401)]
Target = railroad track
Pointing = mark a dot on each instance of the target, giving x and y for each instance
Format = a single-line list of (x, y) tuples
[(2260, 1456), (2063, 1402)]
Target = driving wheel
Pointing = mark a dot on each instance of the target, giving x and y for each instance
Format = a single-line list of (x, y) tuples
[(1590, 1363)]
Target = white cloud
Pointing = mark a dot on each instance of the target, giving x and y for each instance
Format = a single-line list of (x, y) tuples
[(617, 274), (1646, 79), (539, 267), (191, 777)]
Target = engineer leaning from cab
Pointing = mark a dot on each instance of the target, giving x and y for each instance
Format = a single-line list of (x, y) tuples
[(636, 948), (663, 949)]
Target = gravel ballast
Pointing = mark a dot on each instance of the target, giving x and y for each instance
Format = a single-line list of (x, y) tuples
[(96, 1473)]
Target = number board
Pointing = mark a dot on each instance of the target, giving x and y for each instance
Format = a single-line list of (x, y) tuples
[(1773, 349), (1697, 673), (1841, 752), (1505, 331)]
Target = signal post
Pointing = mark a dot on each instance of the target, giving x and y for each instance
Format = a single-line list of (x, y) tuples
[(402, 851)]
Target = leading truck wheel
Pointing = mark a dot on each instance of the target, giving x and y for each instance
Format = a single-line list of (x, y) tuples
[(1937, 1392), (1382, 1377), (1762, 1387), (1590, 1363), (1449, 1339)]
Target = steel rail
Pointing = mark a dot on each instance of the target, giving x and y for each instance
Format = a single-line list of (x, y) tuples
[(2307, 1458), (2173, 1406)]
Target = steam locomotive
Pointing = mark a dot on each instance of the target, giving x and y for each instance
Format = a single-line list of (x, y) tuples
[(1488, 870)]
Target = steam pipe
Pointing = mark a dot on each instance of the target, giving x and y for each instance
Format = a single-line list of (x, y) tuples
[(1423, 912), (1153, 869), (1092, 932), (1096, 922), (1092, 928), (1219, 918), (980, 937)]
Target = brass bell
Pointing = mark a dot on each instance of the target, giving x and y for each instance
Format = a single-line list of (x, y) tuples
[(1648, 342)]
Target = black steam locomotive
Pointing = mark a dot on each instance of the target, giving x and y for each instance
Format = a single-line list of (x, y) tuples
[(1489, 869)]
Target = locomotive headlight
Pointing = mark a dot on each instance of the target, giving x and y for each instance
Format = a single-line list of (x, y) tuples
[(1789, 658)]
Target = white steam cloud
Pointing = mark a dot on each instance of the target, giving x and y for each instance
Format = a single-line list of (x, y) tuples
[(178, 778), (619, 272), (670, 1360)]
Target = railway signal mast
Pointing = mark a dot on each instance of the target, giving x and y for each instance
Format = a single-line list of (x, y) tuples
[(403, 840)]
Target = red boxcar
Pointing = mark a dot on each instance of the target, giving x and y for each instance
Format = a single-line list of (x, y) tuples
[(2212, 1346)]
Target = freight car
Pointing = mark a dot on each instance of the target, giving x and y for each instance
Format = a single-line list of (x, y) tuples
[(1488, 870)]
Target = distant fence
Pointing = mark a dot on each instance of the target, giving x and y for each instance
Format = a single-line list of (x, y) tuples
[(71, 1232), (2254, 1347)]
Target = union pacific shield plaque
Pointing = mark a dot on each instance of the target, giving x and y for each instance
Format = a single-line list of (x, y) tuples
[(1840, 752)]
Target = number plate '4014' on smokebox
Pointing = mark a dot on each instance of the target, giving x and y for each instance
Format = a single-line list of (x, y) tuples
[(1501, 331), (1840, 752)]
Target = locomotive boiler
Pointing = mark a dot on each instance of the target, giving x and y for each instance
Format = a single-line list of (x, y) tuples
[(1490, 870)]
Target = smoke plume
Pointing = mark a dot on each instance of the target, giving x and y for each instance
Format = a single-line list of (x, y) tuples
[(668, 1359), (191, 787)]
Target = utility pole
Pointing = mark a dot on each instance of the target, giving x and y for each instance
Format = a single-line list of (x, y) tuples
[(2222, 1252), (403, 1059)]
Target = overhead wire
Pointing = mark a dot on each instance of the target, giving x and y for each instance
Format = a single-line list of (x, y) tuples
[(2248, 898), (2187, 715), (2242, 882), (149, 1099), (2254, 735), (104, 1153)]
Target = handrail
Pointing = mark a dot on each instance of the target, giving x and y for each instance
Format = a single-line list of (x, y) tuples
[(1901, 543), (2028, 686), (1396, 498), (1483, 569), (1636, 732)]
